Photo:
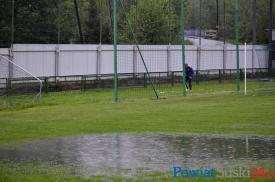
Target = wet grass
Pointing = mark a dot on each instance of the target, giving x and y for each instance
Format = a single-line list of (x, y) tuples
[(91, 112), (34, 173), (207, 110)]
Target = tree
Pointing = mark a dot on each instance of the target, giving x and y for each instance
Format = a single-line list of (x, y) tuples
[(151, 21), (5, 23)]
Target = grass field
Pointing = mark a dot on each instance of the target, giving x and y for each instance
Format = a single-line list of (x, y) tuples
[(78, 113)]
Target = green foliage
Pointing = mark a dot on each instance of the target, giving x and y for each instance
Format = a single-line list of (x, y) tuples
[(209, 18), (154, 21), (5, 23), (34, 23), (97, 26)]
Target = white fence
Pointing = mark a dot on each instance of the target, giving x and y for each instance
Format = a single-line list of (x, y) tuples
[(67, 60)]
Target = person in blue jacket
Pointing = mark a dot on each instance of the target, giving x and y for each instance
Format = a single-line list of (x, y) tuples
[(189, 73)]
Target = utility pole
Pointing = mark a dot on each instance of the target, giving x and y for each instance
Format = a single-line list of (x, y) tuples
[(78, 22)]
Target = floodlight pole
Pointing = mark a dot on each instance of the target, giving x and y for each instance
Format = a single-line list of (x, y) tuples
[(182, 47), (115, 52), (237, 42)]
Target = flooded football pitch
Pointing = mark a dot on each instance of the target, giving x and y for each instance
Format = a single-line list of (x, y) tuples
[(125, 154)]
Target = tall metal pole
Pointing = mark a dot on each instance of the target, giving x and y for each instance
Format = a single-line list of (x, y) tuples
[(169, 22), (78, 22), (237, 43), (137, 46), (270, 36), (224, 37), (183, 48), (110, 16), (199, 46), (58, 22), (217, 18), (12, 41), (254, 21), (115, 51), (100, 22), (224, 22), (12, 24), (254, 39), (200, 25)]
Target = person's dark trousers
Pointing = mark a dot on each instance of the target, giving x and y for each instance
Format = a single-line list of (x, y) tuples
[(189, 82)]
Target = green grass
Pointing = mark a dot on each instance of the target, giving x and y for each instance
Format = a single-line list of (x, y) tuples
[(78, 113), (45, 173)]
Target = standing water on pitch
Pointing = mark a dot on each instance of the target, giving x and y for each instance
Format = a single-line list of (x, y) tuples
[(125, 154)]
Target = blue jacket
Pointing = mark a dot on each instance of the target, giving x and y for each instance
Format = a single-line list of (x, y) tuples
[(189, 72)]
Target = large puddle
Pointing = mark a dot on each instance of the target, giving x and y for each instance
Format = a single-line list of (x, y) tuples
[(112, 154)]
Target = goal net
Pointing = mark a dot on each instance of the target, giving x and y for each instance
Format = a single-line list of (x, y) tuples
[(149, 54), (258, 77), (17, 85)]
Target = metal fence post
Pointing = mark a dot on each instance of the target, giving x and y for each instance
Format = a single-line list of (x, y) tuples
[(224, 60), (198, 63), (8, 86), (220, 76), (11, 57), (46, 85), (98, 60), (253, 57), (168, 60), (134, 60), (83, 83), (145, 80), (56, 61)]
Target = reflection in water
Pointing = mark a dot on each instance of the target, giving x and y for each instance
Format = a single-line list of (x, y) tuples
[(149, 152)]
